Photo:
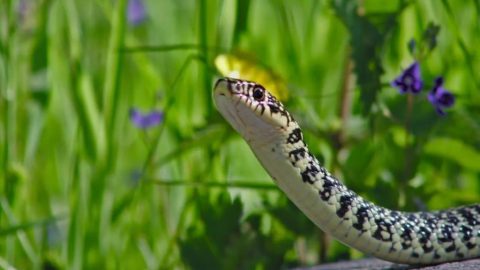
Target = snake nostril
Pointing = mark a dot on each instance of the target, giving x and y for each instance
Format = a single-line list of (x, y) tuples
[(221, 80)]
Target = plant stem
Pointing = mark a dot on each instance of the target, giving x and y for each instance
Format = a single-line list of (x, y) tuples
[(408, 152), (217, 184), (112, 78), (345, 97)]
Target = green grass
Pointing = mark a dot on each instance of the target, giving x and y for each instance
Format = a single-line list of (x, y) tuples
[(83, 188)]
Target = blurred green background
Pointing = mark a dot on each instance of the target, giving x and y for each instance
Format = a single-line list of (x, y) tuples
[(83, 187)]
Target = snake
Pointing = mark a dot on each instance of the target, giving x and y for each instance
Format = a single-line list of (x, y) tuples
[(277, 141)]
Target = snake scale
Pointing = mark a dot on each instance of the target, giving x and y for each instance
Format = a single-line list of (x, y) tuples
[(402, 237)]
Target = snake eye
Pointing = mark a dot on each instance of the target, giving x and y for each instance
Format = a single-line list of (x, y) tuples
[(258, 94)]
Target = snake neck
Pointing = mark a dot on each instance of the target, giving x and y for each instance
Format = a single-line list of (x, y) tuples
[(414, 238)]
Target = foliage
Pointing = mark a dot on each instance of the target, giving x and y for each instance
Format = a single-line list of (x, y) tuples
[(88, 181)]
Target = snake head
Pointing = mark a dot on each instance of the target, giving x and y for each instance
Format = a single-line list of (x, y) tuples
[(250, 108)]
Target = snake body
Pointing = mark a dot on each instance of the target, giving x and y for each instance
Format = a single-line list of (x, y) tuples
[(402, 237)]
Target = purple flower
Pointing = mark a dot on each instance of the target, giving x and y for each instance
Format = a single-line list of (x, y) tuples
[(410, 80), (440, 98), (136, 13), (146, 120), (135, 177), (22, 10)]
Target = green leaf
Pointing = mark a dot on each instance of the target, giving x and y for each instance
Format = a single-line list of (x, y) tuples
[(454, 150), (243, 8), (367, 36)]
